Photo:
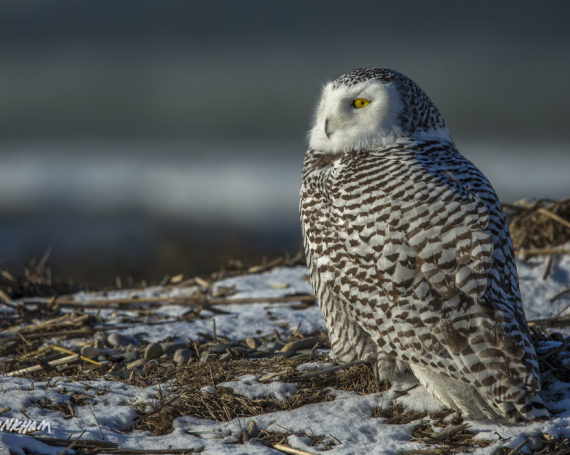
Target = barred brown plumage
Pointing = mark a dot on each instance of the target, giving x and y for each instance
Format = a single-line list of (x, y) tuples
[(409, 252)]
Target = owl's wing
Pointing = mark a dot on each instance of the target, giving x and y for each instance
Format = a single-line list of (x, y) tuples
[(432, 226), (417, 258)]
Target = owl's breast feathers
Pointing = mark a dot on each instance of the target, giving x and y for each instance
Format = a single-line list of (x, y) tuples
[(413, 241)]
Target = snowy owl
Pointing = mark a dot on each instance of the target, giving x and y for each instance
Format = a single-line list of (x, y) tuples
[(409, 252)]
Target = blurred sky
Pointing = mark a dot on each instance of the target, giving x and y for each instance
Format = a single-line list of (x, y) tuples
[(146, 138)]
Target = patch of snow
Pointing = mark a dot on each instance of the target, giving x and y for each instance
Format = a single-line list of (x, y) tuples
[(536, 292), (146, 293), (261, 285), (249, 387), (419, 399), (347, 419)]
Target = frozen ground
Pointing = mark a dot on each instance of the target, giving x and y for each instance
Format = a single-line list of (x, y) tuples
[(345, 422)]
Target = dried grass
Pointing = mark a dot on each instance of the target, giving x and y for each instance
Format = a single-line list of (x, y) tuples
[(539, 227), (187, 397), (536, 227)]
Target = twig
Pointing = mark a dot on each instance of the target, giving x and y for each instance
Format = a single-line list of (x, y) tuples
[(5, 409), (192, 300), (152, 451), (65, 320), (68, 301), (5, 297), (79, 443), (554, 217), (291, 450), (286, 299), (62, 333), (268, 376), (542, 251), (548, 267), (560, 294), (518, 448), (53, 363), (97, 422), (67, 351), (550, 322), (72, 445)]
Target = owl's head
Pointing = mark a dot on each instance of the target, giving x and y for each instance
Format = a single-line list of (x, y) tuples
[(368, 108)]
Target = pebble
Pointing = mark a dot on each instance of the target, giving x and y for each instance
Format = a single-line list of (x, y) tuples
[(219, 348), (182, 356), (305, 343), (116, 339), (90, 352), (130, 356), (135, 364), (270, 346), (172, 346), (153, 351)]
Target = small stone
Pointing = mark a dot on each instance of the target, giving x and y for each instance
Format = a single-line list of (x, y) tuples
[(111, 354), (131, 356), (116, 339), (172, 346), (305, 343), (252, 343), (270, 346), (208, 389), (135, 364), (182, 356), (90, 352), (153, 351)]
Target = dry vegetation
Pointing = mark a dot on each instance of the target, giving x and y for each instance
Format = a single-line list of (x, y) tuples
[(29, 346), (539, 227)]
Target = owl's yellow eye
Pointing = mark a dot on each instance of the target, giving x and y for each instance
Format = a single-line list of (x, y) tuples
[(360, 102)]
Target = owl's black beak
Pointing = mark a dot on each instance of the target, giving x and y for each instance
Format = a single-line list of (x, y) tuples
[(328, 131)]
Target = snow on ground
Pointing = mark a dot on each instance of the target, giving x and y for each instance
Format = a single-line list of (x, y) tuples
[(346, 421)]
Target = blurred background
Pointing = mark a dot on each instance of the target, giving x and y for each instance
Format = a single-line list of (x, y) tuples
[(143, 138)]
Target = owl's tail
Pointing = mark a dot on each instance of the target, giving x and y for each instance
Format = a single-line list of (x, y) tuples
[(471, 402), (533, 408)]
